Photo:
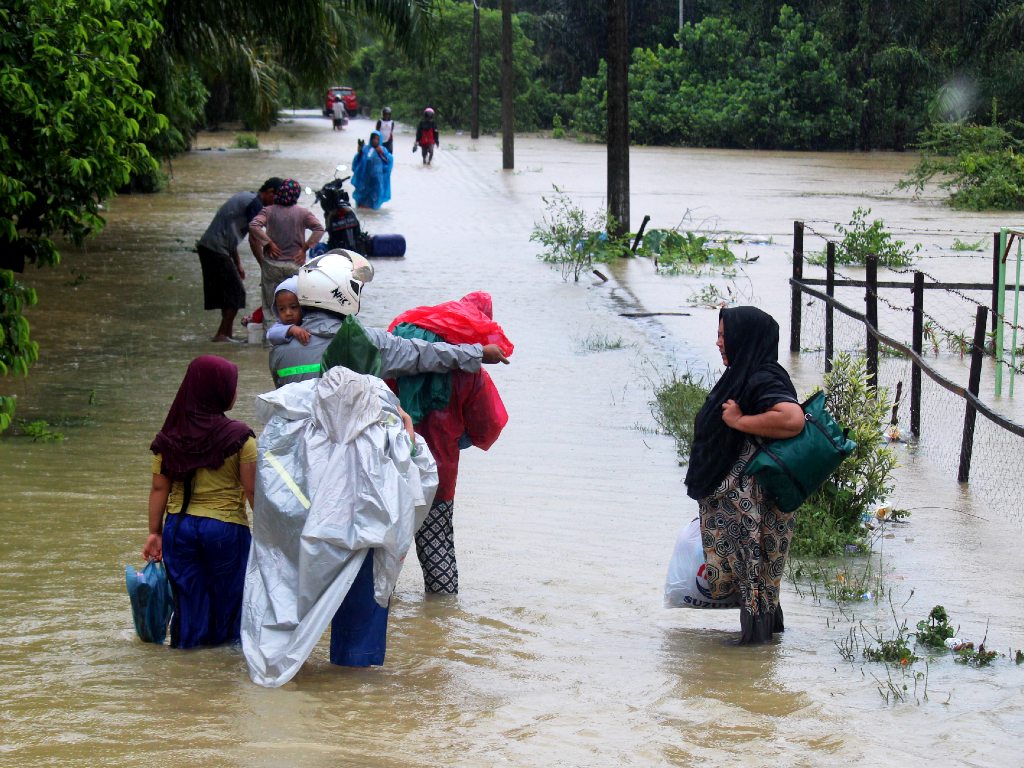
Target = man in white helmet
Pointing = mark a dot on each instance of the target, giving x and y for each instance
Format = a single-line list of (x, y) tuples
[(329, 289)]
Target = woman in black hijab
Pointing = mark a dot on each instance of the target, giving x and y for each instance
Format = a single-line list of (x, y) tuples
[(745, 536)]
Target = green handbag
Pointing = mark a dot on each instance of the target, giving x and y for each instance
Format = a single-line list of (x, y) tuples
[(790, 470)]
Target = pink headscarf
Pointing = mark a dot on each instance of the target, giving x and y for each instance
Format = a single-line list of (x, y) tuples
[(196, 434)]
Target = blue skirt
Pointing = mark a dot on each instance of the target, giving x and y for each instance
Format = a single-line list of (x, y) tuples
[(360, 627), (206, 560)]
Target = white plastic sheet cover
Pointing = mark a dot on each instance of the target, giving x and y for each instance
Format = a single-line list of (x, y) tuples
[(336, 477)]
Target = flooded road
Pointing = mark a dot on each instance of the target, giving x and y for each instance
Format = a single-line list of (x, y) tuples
[(558, 650)]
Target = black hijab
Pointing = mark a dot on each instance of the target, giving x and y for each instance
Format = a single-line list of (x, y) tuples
[(753, 378)]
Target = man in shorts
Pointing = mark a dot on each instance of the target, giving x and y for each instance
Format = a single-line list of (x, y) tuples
[(218, 254)]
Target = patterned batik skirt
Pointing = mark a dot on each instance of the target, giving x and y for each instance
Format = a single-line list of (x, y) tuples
[(746, 539)]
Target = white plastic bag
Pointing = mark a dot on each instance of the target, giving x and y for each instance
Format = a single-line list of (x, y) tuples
[(685, 585)]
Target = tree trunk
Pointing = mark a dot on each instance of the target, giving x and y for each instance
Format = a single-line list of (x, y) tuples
[(507, 103), (618, 117)]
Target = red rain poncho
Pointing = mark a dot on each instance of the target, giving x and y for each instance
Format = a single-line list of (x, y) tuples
[(475, 409), (466, 321)]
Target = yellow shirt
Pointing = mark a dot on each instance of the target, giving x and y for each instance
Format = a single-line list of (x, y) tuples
[(217, 493)]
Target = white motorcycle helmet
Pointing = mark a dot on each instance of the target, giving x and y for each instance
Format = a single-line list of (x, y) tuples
[(334, 281)]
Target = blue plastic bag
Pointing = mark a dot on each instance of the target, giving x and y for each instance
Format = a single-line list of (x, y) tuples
[(149, 591)]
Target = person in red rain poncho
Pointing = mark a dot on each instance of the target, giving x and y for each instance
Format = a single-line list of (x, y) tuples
[(451, 411)]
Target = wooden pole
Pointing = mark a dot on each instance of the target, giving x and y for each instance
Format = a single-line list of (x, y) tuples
[(973, 386), (618, 117), (830, 290), (795, 306), (917, 344), (871, 315), (508, 155)]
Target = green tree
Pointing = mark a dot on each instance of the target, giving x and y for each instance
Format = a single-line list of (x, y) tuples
[(74, 131), (723, 87), (442, 80)]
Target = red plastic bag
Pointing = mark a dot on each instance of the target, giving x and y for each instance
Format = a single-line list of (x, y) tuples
[(466, 321)]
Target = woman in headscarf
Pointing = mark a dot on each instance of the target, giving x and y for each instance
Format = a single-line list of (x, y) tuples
[(277, 236), (371, 173), (745, 536), (452, 411), (204, 470)]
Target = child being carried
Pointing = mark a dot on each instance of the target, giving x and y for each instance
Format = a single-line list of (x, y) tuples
[(288, 312)]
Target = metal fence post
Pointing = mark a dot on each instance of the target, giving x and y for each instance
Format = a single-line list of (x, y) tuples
[(795, 316), (871, 314), (917, 344), (973, 386), (830, 290)]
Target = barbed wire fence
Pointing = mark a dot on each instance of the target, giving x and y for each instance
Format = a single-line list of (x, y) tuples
[(996, 453)]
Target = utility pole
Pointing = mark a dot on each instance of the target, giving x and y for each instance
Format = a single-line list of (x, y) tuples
[(474, 122), (618, 116), (507, 101)]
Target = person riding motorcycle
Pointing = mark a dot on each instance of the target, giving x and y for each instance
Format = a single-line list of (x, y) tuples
[(330, 291)]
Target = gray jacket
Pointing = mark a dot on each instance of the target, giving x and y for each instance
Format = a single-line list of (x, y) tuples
[(399, 357)]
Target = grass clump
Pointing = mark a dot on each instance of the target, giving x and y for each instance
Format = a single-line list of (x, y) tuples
[(246, 141), (676, 403), (600, 342), (848, 581)]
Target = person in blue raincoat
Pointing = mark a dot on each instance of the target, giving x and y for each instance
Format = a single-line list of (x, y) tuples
[(371, 173)]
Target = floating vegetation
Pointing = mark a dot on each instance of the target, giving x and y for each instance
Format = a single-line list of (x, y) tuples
[(40, 431), (935, 630), (711, 296), (687, 252)]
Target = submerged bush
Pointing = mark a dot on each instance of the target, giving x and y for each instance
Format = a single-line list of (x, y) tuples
[(861, 240), (247, 141), (574, 240), (982, 167), (831, 518)]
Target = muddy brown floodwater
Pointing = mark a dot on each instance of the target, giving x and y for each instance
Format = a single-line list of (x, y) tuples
[(558, 650)]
